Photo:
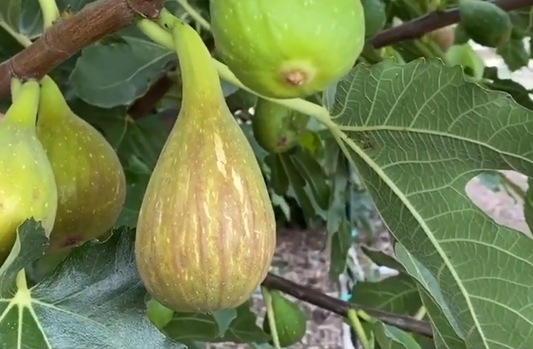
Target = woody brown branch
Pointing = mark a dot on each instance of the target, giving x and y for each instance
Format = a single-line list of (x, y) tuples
[(104, 17), (340, 307), (68, 36)]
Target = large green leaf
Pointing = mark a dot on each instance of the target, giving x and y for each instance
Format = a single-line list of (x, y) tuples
[(94, 299), (417, 134)]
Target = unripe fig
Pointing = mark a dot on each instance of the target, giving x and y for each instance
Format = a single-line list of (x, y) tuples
[(277, 128), (290, 320), (288, 49), (375, 16), (485, 23), (206, 229), (27, 186), (465, 56), (90, 179)]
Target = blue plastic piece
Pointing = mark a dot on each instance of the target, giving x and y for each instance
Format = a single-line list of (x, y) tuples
[(346, 297)]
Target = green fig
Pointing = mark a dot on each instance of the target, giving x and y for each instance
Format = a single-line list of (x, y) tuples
[(206, 229), (90, 179), (288, 49), (290, 320), (465, 56), (277, 128), (27, 185), (485, 23)]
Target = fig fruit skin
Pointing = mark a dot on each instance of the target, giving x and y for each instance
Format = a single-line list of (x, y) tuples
[(443, 37), (288, 49), (206, 230), (277, 128), (90, 180), (465, 56), (290, 320), (27, 185), (485, 23)]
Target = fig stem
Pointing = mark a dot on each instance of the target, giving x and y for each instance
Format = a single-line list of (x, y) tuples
[(267, 299), (198, 74), (23, 110), (162, 36), (358, 328), (191, 11), (20, 281), (50, 12), (21, 39)]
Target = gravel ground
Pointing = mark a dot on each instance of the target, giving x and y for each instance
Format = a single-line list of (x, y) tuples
[(301, 257)]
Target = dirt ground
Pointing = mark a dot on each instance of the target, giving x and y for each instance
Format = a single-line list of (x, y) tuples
[(301, 257)]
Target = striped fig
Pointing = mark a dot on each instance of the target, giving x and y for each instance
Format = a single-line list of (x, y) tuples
[(206, 229)]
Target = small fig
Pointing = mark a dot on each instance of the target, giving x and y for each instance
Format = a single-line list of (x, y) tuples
[(375, 16), (443, 37), (206, 229), (465, 56), (485, 23), (290, 320), (90, 179), (27, 186), (277, 128), (288, 49)]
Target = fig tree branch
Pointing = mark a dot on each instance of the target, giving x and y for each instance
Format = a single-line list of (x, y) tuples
[(339, 307), (68, 36), (433, 21)]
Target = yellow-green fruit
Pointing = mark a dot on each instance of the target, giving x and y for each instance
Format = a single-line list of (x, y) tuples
[(465, 56), (290, 320), (90, 179), (27, 186), (206, 230), (277, 128), (288, 49)]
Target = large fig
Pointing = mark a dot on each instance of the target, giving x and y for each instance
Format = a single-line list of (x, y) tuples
[(277, 128), (27, 186), (90, 179), (206, 229), (288, 49)]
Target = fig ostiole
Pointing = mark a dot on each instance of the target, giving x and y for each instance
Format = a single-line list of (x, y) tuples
[(27, 184), (90, 179), (288, 49), (277, 128), (205, 235)]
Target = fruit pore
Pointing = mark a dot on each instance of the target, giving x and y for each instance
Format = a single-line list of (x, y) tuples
[(288, 49)]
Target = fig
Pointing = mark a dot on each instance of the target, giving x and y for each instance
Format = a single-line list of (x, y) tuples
[(465, 56), (375, 16), (277, 128), (206, 228), (27, 185), (485, 23), (443, 37), (288, 49), (290, 320), (90, 179)]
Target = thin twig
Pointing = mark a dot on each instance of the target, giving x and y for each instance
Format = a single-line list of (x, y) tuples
[(433, 21), (339, 307), (68, 36)]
